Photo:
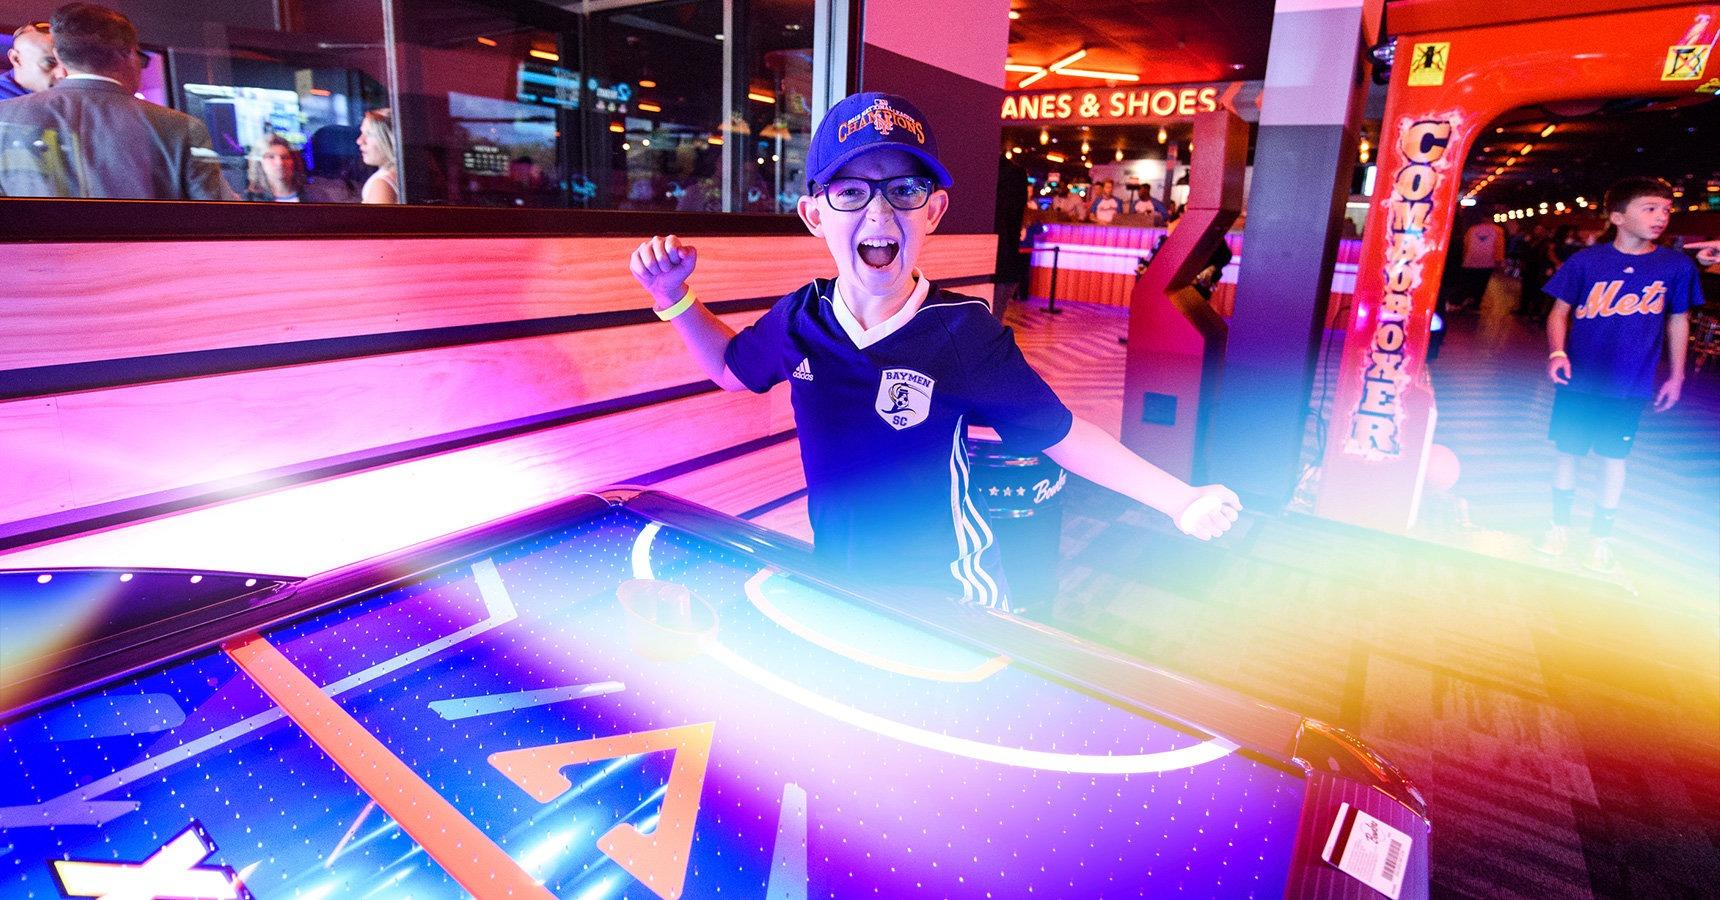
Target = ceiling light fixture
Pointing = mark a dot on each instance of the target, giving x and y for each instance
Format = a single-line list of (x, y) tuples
[(1032, 78), (1055, 157), (488, 42), (1548, 131), (1044, 136), (1163, 136), (1058, 65), (545, 54), (1105, 76)]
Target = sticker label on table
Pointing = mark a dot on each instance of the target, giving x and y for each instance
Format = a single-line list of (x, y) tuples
[(1368, 850)]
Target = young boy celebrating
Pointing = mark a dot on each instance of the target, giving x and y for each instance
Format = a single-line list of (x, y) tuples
[(887, 370), (1630, 296)]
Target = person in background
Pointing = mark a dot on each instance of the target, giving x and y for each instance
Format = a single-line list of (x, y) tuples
[(1630, 298), (1483, 253), (275, 173), (1068, 204), (1537, 265), (88, 136), (376, 146), (1562, 246), (1147, 205), (1106, 206), (34, 66)]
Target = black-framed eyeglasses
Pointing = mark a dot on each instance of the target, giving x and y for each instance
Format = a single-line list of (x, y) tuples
[(905, 192)]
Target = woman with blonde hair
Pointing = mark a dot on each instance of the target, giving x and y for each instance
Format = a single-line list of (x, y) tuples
[(376, 148)]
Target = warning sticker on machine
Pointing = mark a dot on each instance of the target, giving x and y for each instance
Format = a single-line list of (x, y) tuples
[(1685, 62), (1427, 65), (1368, 850)]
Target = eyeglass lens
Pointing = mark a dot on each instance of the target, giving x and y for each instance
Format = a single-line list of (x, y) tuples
[(908, 192)]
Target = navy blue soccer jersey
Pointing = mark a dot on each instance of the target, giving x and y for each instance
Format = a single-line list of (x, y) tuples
[(1622, 301), (881, 415)]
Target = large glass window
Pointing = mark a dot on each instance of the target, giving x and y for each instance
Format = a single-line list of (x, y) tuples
[(678, 105)]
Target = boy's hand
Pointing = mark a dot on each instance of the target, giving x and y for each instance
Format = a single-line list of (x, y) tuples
[(1211, 513), (1559, 369), (1669, 394), (1707, 252), (662, 266)]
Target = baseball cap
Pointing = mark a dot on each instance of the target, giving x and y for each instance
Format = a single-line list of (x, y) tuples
[(861, 123)]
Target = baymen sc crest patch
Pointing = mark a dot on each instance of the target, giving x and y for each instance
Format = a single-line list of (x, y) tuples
[(904, 397)]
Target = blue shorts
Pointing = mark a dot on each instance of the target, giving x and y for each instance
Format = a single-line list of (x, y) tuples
[(1584, 422)]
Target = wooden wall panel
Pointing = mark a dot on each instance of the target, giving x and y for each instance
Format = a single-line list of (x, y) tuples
[(743, 483), (80, 302), (124, 442), (309, 528), (123, 447)]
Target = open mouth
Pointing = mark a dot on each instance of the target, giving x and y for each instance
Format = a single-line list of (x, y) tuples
[(878, 252)]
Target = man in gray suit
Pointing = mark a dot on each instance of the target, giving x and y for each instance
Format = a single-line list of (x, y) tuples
[(88, 136)]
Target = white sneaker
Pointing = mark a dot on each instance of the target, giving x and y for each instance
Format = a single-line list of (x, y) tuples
[(1600, 559), (1554, 541)]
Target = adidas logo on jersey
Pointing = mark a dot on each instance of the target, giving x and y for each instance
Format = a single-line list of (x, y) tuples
[(804, 370)]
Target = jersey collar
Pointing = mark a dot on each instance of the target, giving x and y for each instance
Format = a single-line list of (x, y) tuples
[(866, 337)]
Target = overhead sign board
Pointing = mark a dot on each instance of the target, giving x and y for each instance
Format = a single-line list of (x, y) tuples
[(1131, 104)]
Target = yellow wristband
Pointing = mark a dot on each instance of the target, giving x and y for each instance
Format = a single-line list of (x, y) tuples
[(1558, 354), (681, 306)]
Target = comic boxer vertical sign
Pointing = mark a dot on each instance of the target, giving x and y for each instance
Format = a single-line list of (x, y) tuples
[(1412, 215)]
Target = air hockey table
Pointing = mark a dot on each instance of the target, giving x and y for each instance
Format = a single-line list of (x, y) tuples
[(626, 695)]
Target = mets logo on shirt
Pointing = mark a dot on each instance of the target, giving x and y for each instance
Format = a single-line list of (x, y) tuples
[(904, 397)]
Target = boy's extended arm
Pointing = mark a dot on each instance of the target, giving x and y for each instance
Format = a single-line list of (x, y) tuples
[(662, 266), (1096, 456)]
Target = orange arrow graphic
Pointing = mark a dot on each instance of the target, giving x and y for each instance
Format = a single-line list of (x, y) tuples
[(659, 859)]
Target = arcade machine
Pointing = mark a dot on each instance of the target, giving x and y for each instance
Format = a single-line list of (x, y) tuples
[(1458, 66)]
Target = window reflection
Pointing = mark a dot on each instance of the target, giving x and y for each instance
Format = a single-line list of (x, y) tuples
[(642, 106)]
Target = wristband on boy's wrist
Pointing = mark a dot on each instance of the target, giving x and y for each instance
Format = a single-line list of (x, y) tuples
[(682, 305), (1558, 354)]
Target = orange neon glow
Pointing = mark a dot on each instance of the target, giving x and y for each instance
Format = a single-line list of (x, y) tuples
[(465, 852), (659, 859)]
